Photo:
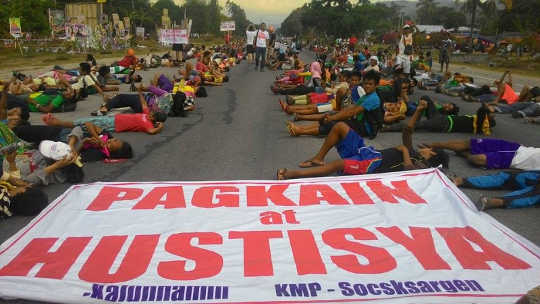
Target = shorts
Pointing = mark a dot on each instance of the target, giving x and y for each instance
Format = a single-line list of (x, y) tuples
[(405, 62), (357, 158), (444, 59), (355, 125), (106, 123), (250, 49), (499, 153)]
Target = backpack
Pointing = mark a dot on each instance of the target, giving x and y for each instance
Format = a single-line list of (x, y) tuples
[(177, 108), (201, 92), (375, 118)]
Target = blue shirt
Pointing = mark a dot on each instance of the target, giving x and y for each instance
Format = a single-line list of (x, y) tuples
[(369, 102)]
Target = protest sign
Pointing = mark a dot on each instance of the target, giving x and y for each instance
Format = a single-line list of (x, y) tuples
[(15, 27), (57, 23), (139, 31), (172, 36), (406, 237), (227, 26)]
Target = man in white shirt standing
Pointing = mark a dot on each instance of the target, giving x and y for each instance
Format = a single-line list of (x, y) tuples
[(261, 44), (250, 38), (405, 48)]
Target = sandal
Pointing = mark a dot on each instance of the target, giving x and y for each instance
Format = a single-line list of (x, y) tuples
[(283, 105), (309, 164), (290, 129), (280, 174)]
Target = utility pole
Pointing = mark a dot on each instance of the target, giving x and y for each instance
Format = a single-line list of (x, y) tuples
[(132, 5), (473, 19)]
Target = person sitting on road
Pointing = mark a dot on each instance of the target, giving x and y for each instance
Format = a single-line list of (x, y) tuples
[(354, 116), (129, 61), (492, 153), (373, 65), (525, 187), (356, 158)]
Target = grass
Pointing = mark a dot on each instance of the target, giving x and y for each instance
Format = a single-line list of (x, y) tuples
[(11, 59), (524, 66)]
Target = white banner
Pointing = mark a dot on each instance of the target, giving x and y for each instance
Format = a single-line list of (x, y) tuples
[(227, 26), (173, 36), (408, 237)]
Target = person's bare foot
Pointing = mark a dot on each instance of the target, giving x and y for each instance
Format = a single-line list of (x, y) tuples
[(283, 105), (281, 174), (50, 120), (490, 203), (292, 129), (458, 181), (311, 163)]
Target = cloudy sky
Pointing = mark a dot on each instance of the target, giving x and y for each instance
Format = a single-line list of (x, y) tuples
[(269, 11)]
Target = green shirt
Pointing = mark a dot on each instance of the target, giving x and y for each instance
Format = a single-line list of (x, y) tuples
[(45, 100)]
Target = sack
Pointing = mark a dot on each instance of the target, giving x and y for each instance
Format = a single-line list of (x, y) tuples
[(201, 92), (177, 108), (375, 119), (408, 50)]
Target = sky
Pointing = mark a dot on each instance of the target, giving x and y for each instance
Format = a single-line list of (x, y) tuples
[(269, 11)]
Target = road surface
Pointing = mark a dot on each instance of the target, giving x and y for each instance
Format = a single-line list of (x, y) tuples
[(239, 132)]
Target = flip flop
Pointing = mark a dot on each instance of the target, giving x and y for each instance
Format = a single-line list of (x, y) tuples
[(290, 129), (280, 174), (283, 105), (310, 164)]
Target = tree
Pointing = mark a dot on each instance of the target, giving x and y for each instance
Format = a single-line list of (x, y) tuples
[(238, 14), (33, 14), (425, 11)]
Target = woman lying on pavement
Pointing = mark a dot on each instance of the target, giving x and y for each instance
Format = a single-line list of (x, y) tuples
[(356, 158), (525, 187)]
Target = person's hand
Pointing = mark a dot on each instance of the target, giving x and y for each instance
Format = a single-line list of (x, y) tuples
[(66, 161), (10, 157), (422, 105)]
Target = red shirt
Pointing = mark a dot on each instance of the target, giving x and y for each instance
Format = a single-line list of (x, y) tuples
[(128, 61), (133, 122), (201, 67)]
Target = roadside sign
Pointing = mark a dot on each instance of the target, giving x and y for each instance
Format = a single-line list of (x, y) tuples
[(227, 26)]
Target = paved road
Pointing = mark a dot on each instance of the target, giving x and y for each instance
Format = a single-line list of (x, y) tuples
[(239, 132)]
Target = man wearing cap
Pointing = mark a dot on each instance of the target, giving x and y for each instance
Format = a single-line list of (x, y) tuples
[(405, 48)]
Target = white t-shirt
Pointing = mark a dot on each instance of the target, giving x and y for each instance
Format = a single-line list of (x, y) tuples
[(372, 67), (80, 83), (250, 36), (262, 36), (526, 158)]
